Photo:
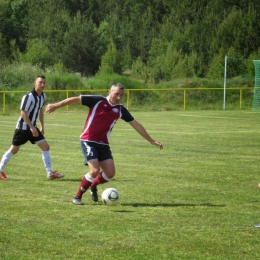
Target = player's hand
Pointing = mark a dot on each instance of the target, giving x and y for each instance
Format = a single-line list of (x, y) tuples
[(42, 130), (158, 144), (34, 132), (49, 108)]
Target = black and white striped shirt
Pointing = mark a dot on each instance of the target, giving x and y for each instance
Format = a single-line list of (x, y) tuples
[(32, 104)]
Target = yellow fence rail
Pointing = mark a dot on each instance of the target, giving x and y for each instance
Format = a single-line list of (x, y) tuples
[(128, 93)]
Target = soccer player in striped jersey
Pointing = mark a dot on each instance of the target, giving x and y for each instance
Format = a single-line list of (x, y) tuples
[(102, 116), (27, 130)]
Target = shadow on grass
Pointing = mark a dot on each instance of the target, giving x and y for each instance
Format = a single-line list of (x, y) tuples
[(80, 179), (135, 205), (69, 180)]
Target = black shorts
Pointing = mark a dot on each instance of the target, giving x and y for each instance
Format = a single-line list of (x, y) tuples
[(93, 150), (23, 136)]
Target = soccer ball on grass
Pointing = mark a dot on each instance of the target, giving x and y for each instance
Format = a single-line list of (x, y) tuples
[(110, 196)]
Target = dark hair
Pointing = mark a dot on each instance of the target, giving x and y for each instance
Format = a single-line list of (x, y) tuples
[(41, 76)]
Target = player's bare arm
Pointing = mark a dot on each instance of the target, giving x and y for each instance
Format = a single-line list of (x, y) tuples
[(29, 123), (41, 119), (68, 101), (141, 130)]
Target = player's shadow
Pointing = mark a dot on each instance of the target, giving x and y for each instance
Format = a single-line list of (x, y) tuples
[(70, 180), (80, 179), (136, 205)]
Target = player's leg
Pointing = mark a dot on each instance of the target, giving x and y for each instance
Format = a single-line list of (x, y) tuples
[(108, 170), (91, 157), (5, 159), (87, 180), (18, 139), (46, 157), (107, 173)]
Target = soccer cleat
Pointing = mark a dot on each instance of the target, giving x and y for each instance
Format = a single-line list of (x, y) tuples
[(93, 193), (77, 201), (55, 175), (3, 176)]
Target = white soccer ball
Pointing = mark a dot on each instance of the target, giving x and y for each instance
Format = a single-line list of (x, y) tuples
[(110, 196)]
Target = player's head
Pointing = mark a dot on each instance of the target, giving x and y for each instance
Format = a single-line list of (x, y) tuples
[(117, 85), (39, 83), (116, 93), (41, 76)]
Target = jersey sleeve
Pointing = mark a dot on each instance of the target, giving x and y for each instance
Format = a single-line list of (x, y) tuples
[(44, 99), (27, 101), (126, 115), (90, 100)]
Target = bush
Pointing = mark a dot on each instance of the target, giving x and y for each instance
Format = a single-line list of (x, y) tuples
[(15, 76)]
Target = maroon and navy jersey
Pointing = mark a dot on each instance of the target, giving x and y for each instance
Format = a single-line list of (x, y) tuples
[(101, 118)]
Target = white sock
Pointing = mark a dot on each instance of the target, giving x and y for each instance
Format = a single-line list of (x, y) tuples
[(88, 177), (105, 177), (5, 159), (47, 161)]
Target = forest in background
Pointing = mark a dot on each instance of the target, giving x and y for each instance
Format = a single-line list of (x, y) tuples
[(151, 40)]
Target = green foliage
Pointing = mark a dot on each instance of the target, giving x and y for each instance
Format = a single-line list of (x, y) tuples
[(18, 76), (140, 97), (234, 31), (4, 49), (236, 66), (160, 39), (250, 65), (105, 81), (80, 52), (156, 60), (59, 68), (216, 66), (64, 81), (38, 54), (126, 58), (104, 33), (139, 70), (110, 61), (13, 27)]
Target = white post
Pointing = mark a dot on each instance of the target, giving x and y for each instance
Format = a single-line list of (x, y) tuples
[(225, 83)]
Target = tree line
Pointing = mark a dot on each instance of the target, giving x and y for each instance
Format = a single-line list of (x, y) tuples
[(154, 40)]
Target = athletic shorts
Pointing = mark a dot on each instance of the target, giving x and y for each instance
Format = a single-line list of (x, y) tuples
[(23, 136), (93, 150)]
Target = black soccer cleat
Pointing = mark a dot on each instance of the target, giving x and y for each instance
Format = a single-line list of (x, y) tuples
[(93, 193)]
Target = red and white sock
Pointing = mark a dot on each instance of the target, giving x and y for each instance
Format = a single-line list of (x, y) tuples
[(84, 185), (101, 178)]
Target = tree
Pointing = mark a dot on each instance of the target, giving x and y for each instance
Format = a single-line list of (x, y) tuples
[(110, 61), (38, 54), (81, 47), (13, 26)]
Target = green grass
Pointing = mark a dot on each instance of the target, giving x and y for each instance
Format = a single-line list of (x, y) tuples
[(195, 199)]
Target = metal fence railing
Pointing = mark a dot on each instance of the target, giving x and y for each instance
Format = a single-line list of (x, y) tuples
[(130, 93)]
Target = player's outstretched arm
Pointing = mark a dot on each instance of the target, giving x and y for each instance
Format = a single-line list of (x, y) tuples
[(68, 101), (141, 130)]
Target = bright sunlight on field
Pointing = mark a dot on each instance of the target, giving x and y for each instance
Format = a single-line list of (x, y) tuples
[(195, 199)]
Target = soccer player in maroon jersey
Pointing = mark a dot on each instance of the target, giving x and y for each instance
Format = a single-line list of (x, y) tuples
[(103, 114), (26, 129)]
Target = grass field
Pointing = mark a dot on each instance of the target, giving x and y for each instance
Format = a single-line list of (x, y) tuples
[(195, 199)]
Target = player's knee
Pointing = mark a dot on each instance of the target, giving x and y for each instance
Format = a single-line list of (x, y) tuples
[(94, 173), (110, 174), (44, 146), (14, 149)]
